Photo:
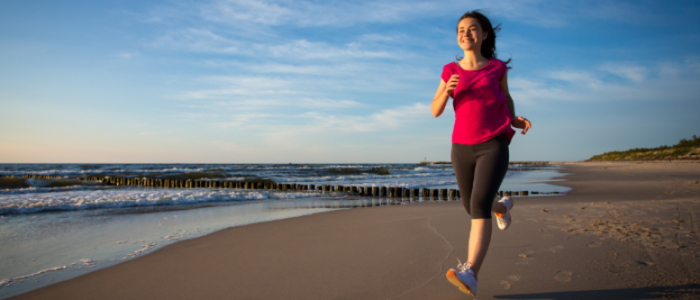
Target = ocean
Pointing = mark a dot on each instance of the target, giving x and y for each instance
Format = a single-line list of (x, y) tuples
[(59, 228)]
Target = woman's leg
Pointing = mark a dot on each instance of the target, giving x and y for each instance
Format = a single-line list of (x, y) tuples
[(491, 167), (479, 240), (464, 163)]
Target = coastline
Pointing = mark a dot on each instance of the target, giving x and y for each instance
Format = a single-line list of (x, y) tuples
[(403, 251)]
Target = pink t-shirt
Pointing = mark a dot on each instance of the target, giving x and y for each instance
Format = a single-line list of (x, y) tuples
[(480, 105)]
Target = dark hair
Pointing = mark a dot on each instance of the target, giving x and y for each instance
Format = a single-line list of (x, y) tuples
[(488, 47)]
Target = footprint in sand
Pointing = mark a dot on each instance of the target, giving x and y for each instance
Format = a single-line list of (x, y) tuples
[(594, 245), (563, 276), (555, 248), (525, 258), (505, 284)]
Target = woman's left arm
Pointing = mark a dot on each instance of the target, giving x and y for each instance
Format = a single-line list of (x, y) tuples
[(515, 121)]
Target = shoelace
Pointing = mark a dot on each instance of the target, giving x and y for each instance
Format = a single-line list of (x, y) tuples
[(463, 267)]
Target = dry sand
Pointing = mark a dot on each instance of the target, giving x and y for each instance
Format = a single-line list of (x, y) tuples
[(625, 231)]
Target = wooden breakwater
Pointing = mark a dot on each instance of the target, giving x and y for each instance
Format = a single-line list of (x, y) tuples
[(373, 191)]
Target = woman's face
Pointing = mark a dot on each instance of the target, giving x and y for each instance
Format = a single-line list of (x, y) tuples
[(470, 35)]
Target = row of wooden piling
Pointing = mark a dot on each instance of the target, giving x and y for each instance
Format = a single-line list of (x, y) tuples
[(38, 176), (375, 191), (378, 191)]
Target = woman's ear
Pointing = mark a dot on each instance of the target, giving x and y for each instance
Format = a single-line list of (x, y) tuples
[(485, 35)]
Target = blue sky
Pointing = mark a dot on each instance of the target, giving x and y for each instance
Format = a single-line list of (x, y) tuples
[(331, 81)]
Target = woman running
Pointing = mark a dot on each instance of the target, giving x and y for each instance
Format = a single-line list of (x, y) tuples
[(484, 110)]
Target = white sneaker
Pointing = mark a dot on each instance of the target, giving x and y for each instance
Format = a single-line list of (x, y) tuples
[(503, 220), (464, 279)]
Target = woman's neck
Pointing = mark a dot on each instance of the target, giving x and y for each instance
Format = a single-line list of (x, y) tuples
[(473, 60)]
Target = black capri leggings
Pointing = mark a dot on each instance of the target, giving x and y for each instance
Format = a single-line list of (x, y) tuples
[(480, 169)]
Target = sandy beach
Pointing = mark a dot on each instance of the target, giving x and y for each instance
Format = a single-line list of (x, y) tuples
[(625, 231)]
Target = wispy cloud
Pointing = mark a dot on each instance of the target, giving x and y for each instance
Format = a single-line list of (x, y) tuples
[(307, 13), (206, 41), (595, 86), (576, 77), (632, 72), (127, 54)]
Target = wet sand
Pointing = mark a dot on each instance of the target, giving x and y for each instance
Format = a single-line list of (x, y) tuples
[(625, 231)]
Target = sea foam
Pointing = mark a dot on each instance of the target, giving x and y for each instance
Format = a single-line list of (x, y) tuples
[(130, 197)]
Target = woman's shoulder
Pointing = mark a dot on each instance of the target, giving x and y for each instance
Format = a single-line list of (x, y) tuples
[(449, 66), (498, 63), (448, 70)]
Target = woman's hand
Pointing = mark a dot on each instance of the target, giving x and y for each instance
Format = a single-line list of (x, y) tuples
[(443, 93), (451, 84), (522, 123)]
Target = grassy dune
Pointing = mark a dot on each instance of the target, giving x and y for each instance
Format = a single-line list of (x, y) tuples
[(685, 150)]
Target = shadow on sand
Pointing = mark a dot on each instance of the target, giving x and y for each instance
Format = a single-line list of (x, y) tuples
[(687, 291)]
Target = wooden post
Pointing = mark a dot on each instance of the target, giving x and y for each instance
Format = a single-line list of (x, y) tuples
[(443, 194), (500, 193), (453, 195), (382, 191), (406, 193), (524, 193), (435, 194), (458, 195)]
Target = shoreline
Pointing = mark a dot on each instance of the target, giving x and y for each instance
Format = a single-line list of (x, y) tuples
[(77, 261), (402, 251)]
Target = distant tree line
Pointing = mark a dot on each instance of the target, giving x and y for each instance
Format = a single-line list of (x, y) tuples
[(685, 149)]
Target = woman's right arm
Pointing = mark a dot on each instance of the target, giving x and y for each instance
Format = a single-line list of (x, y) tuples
[(443, 94)]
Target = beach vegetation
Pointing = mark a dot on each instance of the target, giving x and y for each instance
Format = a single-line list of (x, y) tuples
[(685, 149)]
